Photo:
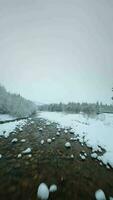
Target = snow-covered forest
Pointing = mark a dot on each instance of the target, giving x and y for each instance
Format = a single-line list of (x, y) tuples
[(88, 108), (15, 104)]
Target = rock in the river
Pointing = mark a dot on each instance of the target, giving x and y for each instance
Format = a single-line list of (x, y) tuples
[(58, 133), (65, 131), (48, 123), (99, 195), (23, 140), (67, 144), (72, 131), (40, 129), (19, 155), (42, 142), (94, 155), (49, 140), (28, 150), (72, 156), (82, 157), (14, 140), (53, 188)]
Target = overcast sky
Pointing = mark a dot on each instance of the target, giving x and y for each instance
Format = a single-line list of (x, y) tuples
[(57, 50)]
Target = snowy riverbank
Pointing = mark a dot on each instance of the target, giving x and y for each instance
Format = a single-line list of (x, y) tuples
[(95, 132), (8, 127)]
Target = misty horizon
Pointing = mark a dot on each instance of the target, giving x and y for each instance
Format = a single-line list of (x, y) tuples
[(57, 51)]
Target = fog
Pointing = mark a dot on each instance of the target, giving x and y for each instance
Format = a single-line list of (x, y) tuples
[(52, 51)]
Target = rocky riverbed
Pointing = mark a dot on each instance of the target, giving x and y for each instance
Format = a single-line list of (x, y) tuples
[(49, 161)]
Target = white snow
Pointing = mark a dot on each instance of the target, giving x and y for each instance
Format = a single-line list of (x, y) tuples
[(43, 192), (96, 131), (0, 156), (28, 150), (67, 144), (7, 128), (4, 117), (53, 188), (94, 155), (99, 195)]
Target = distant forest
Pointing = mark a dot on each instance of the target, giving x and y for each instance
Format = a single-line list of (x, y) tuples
[(15, 104), (88, 108)]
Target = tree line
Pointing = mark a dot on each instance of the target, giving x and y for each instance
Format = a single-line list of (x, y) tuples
[(14, 104), (72, 107)]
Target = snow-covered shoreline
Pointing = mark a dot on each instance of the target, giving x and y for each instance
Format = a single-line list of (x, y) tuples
[(7, 128), (4, 117), (98, 131)]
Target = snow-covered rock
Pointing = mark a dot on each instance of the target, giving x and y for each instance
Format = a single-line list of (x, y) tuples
[(48, 123), (42, 142), (67, 144), (22, 140), (0, 156), (28, 150), (97, 133), (19, 155), (59, 129), (82, 157), (99, 195), (7, 128), (101, 163), (57, 133), (53, 138), (107, 166), (49, 140), (73, 139), (53, 188), (40, 129), (14, 140), (65, 131), (85, 154), (30, 155), (72, 156), (72, 131), (94, 155), (43, 192)]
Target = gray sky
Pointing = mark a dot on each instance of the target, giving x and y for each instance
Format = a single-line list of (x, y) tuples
[(57, 50)]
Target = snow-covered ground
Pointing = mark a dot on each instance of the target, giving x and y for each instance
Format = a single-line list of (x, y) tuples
[(4, 117), (7, 128), (98, 131)]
